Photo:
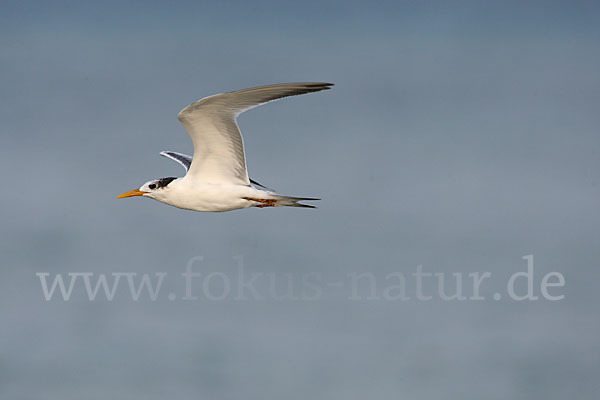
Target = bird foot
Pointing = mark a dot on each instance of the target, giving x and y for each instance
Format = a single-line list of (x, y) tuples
[(265, 202)]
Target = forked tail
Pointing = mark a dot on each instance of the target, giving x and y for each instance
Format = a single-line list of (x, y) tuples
[(282, 201), (288, 201)]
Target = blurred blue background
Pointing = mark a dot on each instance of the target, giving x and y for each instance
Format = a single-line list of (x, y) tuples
[(460, 136)]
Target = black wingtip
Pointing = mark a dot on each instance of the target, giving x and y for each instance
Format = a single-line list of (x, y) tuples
[(260, 185), (321, 86)]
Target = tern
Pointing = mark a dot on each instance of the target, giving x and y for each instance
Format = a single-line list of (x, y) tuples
[(216, 178)]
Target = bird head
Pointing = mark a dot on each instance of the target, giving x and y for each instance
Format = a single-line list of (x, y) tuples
[(153, 189)]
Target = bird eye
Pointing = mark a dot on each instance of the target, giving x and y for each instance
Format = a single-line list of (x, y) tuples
[(152, 186)]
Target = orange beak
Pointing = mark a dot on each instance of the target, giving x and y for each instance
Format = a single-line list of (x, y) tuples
[(131, 193)]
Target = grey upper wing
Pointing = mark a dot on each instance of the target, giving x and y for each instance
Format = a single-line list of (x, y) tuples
[(184, 160)]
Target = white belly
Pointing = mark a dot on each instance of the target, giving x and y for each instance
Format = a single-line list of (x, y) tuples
[(209, 197)]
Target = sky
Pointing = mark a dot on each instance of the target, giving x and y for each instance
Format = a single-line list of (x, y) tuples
[(459, 137)]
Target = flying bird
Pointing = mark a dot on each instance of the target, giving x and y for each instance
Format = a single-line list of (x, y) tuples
[(216, 177)]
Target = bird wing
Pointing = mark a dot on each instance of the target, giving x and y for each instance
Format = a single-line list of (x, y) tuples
[(211, 123), (182, 159), (186, 161)]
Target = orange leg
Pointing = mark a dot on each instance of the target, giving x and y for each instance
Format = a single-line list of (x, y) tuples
[(265, 202)]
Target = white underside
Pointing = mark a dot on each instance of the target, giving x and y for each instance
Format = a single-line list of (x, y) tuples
[(191, 195), (217, 179)]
